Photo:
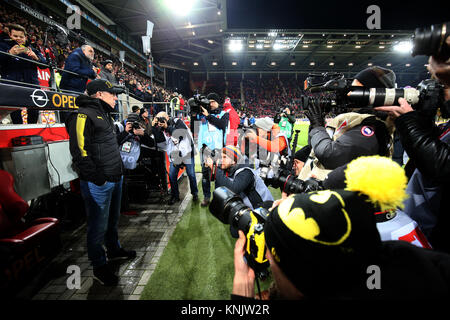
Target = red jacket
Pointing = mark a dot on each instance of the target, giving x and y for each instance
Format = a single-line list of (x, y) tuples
[(232, 136)]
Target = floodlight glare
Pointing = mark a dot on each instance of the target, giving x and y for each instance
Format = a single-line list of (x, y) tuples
[(180, 7), (403, 47), (235, 45)]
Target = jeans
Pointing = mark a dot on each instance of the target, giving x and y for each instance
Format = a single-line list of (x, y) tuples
[(206, 178), (173, 174), (102, 205)]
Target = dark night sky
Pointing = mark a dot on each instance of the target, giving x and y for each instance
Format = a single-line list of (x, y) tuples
[(342, 14)]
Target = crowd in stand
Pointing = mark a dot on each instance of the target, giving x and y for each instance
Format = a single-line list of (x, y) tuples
[(139, 85)]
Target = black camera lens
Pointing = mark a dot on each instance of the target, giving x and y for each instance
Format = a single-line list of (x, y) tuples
[(224, 203), (430, 41), (136, 125)]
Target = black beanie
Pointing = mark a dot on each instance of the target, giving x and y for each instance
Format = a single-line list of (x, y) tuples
[(303, 153), (376, 77), (214, 96)]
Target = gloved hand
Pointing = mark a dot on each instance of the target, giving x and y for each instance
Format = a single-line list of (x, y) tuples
[(314, 114), (312, 184)]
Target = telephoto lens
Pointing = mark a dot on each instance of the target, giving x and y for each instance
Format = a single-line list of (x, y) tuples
[(430, 41), (376, 97)]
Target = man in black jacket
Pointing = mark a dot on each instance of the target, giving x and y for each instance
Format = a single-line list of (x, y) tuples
[(95, 152), (428, 148), (354, 134)]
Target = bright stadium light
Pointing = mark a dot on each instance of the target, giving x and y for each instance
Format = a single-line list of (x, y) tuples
[(403, 47), (235, 45), (180, 7)]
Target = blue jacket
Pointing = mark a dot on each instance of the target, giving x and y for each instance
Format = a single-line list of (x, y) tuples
[(17, 69), (79, 63)]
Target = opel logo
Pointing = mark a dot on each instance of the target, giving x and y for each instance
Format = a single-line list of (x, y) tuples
[(40, 98)]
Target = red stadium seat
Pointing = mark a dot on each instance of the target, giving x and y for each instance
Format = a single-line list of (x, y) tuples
[(24, 247)]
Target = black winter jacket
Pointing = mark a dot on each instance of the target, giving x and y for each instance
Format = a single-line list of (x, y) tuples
[(431, 156), (93, 142)]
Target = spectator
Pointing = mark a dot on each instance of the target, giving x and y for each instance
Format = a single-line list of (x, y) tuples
[(95, 152), (80, 62), (17, 69), (107, 72)]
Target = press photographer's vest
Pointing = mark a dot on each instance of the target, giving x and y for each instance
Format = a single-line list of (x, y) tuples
[(210, 135), (175, 103), (336, 128), (129, 149), (259, 187), (285, 127)]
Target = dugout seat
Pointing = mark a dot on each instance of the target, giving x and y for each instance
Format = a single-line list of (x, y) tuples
[(24, 246)]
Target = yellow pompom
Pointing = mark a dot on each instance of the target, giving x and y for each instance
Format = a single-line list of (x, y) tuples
[(380, 178)]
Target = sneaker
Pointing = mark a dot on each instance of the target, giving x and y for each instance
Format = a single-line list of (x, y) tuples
[(121, 254), (205, 202), (105, 276), (195, 198), (173, 200)]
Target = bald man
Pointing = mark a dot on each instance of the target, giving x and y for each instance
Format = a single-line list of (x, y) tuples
[(80, 62)]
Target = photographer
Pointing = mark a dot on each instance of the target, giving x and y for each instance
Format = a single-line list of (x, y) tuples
[(211, 137), (237, 176), (270, 138), (131, 135), (428, 149), (318, 250), (353, 134), (179, 145), (286, 122)]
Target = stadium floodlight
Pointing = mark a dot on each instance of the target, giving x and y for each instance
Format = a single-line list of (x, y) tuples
[(292, 63), (388, 64), (329, 46), (381, 47), (273, 63), (403, 47), (370, 64), (312, 63), (214, 63), (253, 63), (331, 63), (408, 65), (272, 34), (180, 7), (357, 47), (305, 46), (350, 64), (195, 63), (235, 45), (234, 63), (210, 41), (277, 46)]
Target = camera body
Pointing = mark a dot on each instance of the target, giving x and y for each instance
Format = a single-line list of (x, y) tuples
[(229, 208), (197, 102), (136, 125)]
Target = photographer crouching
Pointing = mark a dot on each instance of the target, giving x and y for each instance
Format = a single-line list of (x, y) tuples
[(236, 175), (174, 137)]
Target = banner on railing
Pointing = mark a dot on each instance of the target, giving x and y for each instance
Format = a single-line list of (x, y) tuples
[(16, 96)]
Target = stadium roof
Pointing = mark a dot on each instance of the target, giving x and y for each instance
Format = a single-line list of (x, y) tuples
[(201, 42)]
